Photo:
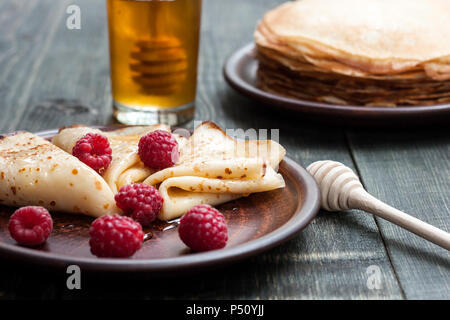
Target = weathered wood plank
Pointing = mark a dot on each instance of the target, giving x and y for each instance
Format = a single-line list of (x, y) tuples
[(70, 84), (329, 259), (410, 170), (25, 45), (334, 242)]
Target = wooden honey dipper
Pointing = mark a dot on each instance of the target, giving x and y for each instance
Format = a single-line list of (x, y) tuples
[(158, 60), (341, 189), (159, 65)]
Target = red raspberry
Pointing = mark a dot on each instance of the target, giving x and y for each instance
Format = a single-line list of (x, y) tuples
[(140, 201), (30, 225), (158, 149), (203, 228), (93, 149), (115, 236)]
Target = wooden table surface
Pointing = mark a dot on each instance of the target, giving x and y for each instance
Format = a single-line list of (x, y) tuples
[(51, 76)]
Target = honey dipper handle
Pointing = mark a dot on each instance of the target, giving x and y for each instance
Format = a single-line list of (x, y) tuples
[(360, 199)]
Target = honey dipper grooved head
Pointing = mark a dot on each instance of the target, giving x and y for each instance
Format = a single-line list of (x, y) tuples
[(159, 65), (336, 182)]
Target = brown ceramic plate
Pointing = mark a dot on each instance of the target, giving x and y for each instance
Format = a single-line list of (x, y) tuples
[(240, 72), (256, 223)]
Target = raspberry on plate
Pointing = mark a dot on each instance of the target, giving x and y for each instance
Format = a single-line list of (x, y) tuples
[(140, 201), (203, 228), (93, 149), (158, 149), (115, 236), (31, 225)]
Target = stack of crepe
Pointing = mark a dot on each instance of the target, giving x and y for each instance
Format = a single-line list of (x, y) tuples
[(213, 168), (353, 52)]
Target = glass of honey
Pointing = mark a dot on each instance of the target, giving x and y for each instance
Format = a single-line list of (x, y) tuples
[(153, 58)]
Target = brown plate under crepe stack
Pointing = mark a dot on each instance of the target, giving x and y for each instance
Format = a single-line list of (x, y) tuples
[(354, 52)]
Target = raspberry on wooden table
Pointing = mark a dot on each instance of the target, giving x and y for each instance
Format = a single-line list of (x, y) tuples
[(140, 201), (203, 228), (94, 150), (31, 225), (115, 236), (158, 149)]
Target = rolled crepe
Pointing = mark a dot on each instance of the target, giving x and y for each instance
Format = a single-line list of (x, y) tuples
[(182, 193), (126, 166), (33, 171), (215, 168), (238, 168), (136, 173)]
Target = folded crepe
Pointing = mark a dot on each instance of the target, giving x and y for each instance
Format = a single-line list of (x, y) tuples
[(214, 168), (33, 171), (126, 166), (375, 52)]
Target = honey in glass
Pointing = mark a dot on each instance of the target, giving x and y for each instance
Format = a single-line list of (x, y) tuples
[(153, 59)]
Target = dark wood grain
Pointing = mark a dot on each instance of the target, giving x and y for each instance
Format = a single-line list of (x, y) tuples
[(411, 172), (318, 264), (51, 76)]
